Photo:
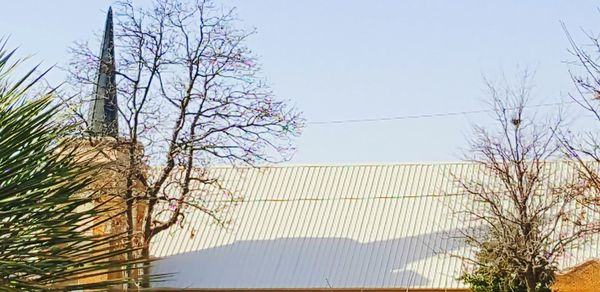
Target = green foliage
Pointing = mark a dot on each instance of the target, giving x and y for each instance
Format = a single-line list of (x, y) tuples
[(46, 241), (490, 278), (493, 273)]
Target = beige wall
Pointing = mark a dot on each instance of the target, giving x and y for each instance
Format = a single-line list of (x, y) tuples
[(111, 156)]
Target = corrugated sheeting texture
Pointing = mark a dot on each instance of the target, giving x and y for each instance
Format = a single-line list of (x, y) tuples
[(371, 226)]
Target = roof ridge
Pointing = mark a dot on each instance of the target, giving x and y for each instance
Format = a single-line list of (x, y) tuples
[(352, 164), (357, 164)]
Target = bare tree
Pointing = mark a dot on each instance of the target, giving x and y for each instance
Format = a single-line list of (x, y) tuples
[(522, 209), (191, 93), (584, 147)]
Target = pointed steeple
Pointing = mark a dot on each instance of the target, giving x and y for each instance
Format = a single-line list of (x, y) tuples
[(103, 118)]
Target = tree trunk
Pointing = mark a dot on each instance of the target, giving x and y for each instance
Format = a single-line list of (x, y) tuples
[(129, 275), (145, 281), (531, 285), (530, 280)]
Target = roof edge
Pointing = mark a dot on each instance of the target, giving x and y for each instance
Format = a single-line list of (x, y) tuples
[(351, 164)]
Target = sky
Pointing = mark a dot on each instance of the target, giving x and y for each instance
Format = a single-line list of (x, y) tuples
[(351, 59)]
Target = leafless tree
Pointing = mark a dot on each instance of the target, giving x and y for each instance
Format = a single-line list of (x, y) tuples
[(522, 208), (191, 92), (583, 147)]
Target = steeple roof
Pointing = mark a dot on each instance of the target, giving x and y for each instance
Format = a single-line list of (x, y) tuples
[(103, 117)]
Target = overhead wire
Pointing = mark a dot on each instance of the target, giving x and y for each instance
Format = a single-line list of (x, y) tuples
[(421, 116)]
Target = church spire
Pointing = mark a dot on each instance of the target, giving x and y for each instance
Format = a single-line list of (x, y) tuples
[(103, 118)]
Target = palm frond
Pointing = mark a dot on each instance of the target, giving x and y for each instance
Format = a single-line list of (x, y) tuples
[(46, 241)]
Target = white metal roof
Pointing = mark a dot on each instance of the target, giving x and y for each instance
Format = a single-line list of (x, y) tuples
[(370, 226)]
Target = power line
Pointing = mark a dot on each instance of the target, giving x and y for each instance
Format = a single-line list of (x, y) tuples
[(435, 115)]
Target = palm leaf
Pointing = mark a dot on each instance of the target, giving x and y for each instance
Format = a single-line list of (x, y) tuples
[(45, 223)]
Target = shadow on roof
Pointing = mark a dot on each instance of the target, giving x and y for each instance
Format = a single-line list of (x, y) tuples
[(317, 263)]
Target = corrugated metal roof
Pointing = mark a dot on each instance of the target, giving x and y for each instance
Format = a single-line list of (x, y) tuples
[(371, 226)]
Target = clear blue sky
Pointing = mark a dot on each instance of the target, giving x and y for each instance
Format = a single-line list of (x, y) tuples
[(348, 59)]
